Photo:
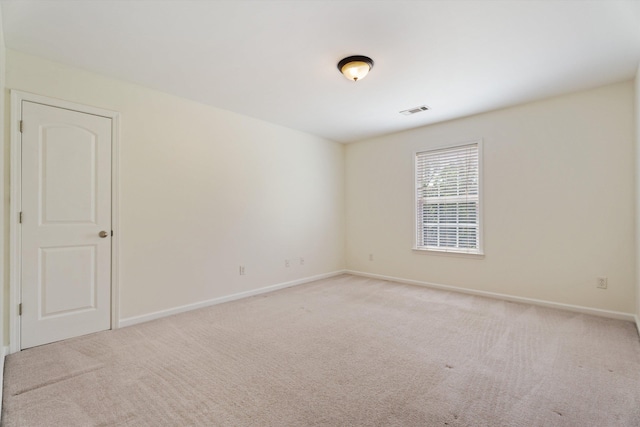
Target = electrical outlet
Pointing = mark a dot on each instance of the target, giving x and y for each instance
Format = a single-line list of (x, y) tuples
[(287, 263), (370, 257), (602, 282), (241, 270), (301, 261)]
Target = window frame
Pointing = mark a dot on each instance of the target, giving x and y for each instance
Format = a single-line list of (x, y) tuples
[(479, 252)]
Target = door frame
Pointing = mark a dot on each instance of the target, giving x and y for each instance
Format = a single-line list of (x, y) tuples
[(15, 205)]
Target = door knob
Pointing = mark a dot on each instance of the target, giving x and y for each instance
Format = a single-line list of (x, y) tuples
[(103, 234)]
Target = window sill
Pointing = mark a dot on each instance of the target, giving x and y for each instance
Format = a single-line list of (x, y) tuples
[(449, 253)]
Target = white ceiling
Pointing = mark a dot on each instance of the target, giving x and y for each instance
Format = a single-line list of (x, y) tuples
[(276, 60)]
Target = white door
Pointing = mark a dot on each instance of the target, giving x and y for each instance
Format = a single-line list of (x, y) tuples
[(66, 224)]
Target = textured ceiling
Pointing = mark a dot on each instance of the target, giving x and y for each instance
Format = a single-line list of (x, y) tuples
[(276, 60)]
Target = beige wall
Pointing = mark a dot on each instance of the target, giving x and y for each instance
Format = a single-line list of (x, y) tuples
[(204, 190), (558, 201), (4, 196), (637, 213)]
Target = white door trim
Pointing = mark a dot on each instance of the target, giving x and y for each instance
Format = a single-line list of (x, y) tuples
[(15, 205)]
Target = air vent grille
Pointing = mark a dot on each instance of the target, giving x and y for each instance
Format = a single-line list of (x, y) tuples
[(415, 110)]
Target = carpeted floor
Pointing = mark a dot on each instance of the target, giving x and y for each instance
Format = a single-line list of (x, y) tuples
[(345, 351)]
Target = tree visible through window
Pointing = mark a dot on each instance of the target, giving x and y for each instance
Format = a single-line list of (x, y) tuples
[(447, 199)]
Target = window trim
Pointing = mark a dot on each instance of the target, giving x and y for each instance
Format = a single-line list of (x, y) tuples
[(453, 252)]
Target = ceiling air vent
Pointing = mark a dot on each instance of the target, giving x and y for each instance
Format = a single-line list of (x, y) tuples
[(414, 110)]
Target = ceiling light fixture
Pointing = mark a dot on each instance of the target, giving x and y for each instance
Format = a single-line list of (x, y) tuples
[(355, 67)]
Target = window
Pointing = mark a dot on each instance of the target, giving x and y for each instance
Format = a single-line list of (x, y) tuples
[(448, 199)]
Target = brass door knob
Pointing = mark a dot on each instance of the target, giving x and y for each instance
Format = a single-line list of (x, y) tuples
[(103, 234)]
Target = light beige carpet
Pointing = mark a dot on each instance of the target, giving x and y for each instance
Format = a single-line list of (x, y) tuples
[(346, 351)]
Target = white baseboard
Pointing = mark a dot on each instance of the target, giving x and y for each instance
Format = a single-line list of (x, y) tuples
[(576, 308), (168, 312)]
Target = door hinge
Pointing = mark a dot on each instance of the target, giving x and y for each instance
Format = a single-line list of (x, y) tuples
[(20, 218), (20, 309), (20, 126), (111, 233)]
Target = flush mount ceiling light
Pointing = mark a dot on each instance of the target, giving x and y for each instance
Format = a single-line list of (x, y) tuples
[(355, 67)]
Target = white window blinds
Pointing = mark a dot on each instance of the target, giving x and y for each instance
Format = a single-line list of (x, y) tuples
[(447, 199)]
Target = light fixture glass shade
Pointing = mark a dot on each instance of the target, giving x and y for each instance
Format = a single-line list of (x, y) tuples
[(355, 67), (356, 70)]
